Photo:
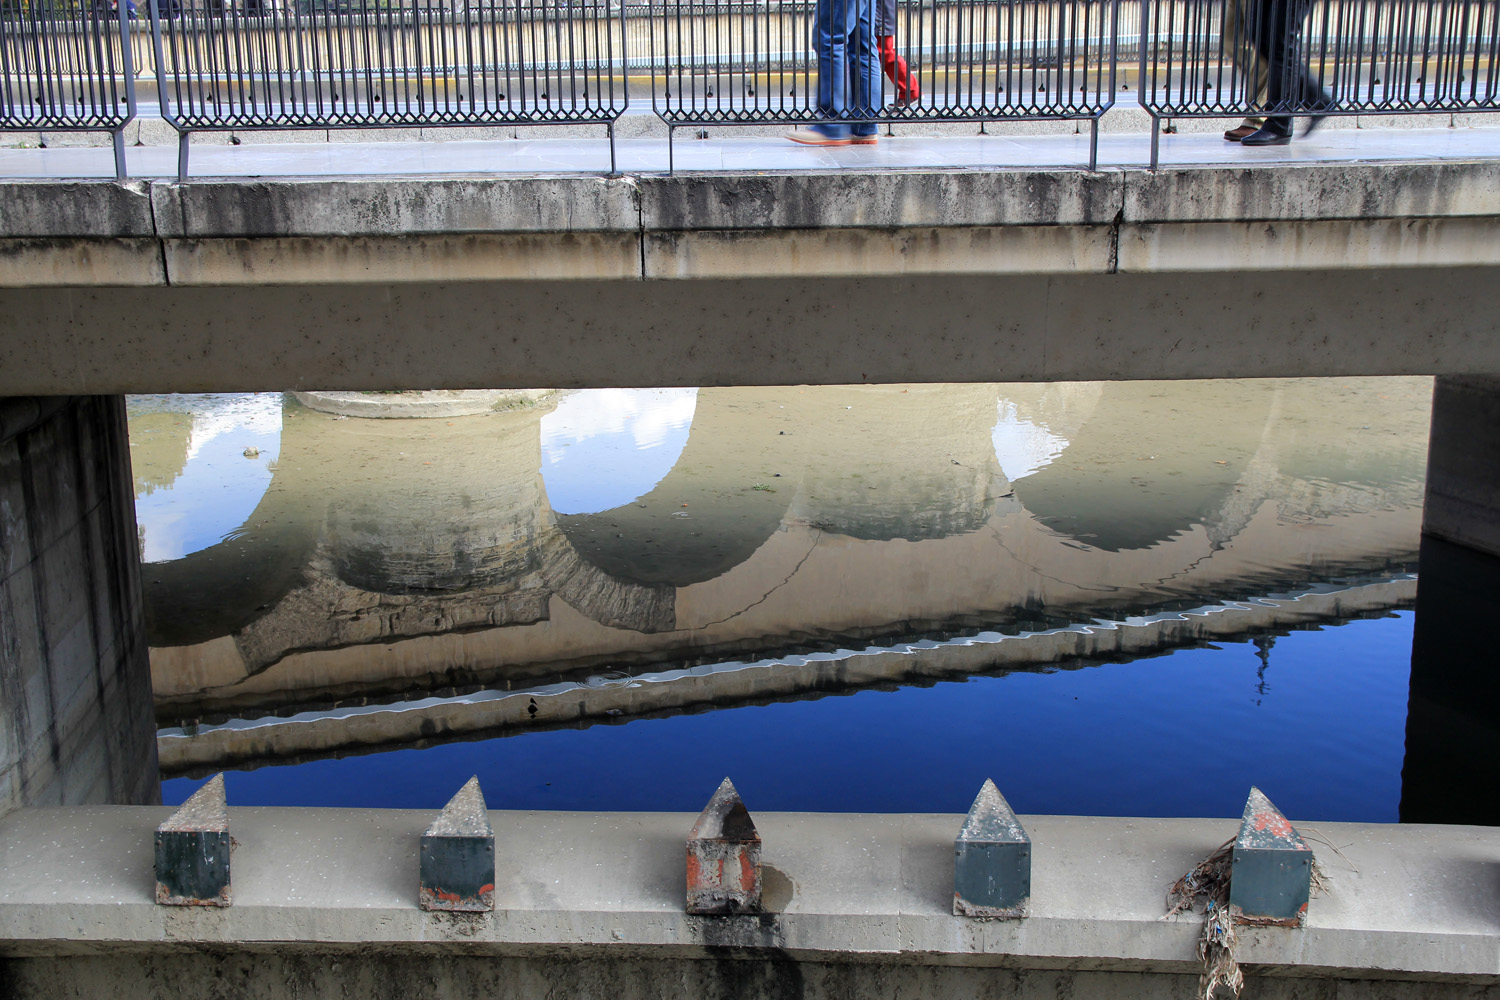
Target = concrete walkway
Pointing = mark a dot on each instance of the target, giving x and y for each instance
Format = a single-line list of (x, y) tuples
[(769, 151)]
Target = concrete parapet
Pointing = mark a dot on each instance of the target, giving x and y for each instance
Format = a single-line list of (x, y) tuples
[(846, 895), (405, 206)]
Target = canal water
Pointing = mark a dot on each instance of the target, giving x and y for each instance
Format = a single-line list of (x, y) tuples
[(1112, 598)]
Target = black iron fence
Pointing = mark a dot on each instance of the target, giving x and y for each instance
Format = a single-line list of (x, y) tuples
[(67, 68), (938, 60), (329, 64), (389, 65), (1218, 58)]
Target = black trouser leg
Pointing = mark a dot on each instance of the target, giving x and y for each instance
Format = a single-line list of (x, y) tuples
[(1290, 84)]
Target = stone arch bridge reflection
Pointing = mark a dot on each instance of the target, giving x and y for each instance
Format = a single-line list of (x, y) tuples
[(389, 558)]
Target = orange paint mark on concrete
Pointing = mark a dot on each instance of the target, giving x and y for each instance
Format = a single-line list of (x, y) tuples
[(1277, 825), (747, 874)]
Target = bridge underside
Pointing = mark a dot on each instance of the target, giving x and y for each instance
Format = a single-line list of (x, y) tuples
[(750, 331)]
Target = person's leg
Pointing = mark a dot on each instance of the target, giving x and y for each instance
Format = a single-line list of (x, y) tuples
[(1310, 95), (864, 67), (1274, 38), (887, 46), (1239, 44), (895, 67), (830, 43)]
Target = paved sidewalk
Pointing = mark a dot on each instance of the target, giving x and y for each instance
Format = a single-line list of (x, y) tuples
[(771, 152)]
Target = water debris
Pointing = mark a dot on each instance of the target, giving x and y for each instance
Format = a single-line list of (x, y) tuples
[(1206, 888), (1207, 883)]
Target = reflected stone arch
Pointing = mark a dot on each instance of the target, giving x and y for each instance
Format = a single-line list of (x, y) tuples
[(706, 516), (220, 589), (1186, 463), (377, 530), (902, 462)]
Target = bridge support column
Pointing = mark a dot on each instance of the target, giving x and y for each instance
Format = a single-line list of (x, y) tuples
[(1452, 732), (76, 721), (1463, 463)]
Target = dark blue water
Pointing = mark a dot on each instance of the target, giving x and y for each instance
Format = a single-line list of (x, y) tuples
[(1317, 721)]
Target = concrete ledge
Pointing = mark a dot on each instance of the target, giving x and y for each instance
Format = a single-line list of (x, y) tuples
[(867, 252), (397, 206), (1303, 244), (46, 208), (54, 262), (844, 199), (1406, 902), (880, 198), (1313, 191), (544, 256)]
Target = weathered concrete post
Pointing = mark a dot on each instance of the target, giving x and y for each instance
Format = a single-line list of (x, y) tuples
[(991, 860), (76, 719), (1271, 879), (192, 850), (457, 866), (723, 857)]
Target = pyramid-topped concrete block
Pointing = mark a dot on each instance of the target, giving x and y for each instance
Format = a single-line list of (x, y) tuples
[(723, 857), (1272, 874), (991, 860), (457, 857), (192, 850)]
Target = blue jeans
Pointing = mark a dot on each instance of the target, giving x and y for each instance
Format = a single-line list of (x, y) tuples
[(848, 66)]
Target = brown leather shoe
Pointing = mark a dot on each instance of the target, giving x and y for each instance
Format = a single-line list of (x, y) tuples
[(1239, 132)]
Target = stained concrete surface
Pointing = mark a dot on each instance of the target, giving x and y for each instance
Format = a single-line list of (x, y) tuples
[(1405, 899), (324, 887), (76, 722)]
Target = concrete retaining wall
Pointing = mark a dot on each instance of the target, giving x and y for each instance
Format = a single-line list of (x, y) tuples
[(592, 905), (76, 721)]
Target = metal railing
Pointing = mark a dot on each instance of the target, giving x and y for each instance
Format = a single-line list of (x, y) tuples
[(1222, 58), (377, 64), (68, 69), (389, 65), (964, 60)]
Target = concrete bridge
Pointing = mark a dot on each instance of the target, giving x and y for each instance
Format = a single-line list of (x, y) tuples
[(1322, 268), (832, 276)]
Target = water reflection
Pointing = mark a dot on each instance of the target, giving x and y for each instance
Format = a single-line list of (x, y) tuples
[(605, 448), (200, 463), (607, 536)]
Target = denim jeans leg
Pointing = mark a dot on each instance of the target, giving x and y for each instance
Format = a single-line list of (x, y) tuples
[(864, 65), (830, 37)]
